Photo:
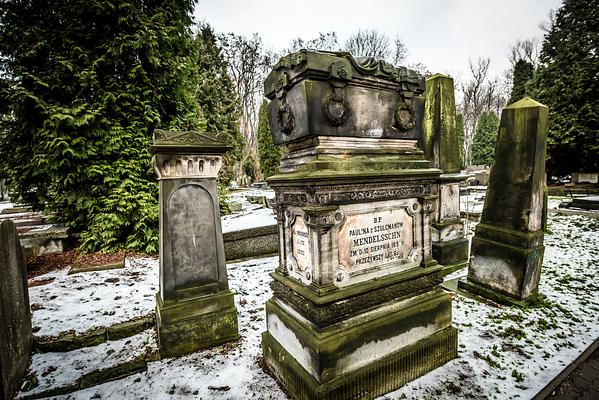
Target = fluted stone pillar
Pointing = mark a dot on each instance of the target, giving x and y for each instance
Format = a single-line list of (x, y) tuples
[(194, 306)]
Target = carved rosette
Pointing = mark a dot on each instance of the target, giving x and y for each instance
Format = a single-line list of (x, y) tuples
[(180, 166)]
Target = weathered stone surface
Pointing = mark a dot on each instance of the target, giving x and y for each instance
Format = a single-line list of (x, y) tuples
[(440, 138), (368, 382), (507, 249), (15, 314), (357, 304), (334, 94), (441, 146), (197, 323), (252, 242), (193, 275)]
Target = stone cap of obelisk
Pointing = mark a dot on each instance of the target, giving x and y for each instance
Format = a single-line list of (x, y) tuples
[(514, 197), (188, 142), (320, 93)]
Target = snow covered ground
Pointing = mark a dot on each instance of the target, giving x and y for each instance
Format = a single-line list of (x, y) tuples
[(504, 352), (84, 301)]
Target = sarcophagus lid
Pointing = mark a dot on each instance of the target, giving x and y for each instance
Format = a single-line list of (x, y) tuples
[(318, 93)]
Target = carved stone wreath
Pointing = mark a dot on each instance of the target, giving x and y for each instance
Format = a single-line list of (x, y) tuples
[(285, 118), (335, 109), (404, 116)]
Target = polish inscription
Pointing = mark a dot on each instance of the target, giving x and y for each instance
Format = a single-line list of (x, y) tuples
[(375, 238), (300, 248)]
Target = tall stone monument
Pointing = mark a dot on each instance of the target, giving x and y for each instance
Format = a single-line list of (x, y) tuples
[(357, 310), (507, 248), (195, 307), (442, 146), (15, 313)]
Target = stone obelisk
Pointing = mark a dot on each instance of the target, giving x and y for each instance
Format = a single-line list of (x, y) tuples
[(507, 248)]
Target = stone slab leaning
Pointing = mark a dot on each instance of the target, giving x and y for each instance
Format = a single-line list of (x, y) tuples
[(507, 248), (15, 314)]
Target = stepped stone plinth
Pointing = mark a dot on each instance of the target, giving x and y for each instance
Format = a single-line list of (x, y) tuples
[(357, 310)]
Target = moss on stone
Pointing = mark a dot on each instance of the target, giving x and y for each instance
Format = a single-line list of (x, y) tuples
[(187, 326), (369, 382)]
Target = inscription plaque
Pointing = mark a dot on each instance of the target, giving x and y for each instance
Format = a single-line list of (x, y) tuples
[(376, 238), (300, 247), (193, 236)]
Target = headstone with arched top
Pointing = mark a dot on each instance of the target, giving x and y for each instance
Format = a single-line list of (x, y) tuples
[(195, 307)]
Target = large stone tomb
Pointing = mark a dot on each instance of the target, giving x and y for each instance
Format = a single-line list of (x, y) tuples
[(442, 146), (15, 314), (357, 310), (507, 248), (195, 307)]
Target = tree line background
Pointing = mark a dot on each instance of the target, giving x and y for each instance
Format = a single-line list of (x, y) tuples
[(83, 84)]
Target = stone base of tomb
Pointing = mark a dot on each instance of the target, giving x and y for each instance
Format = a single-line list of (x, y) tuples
[(506, 261), (490, 294), (186, 326), (358, 342), (453, 254)]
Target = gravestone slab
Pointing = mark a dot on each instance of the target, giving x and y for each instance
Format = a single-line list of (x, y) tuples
[(15, 313), (195, 307), (507, 248), (356, 310)]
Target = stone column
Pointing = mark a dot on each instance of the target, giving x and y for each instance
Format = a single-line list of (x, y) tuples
[(507, 249), (195, 307), (442, 146), (15, 313)]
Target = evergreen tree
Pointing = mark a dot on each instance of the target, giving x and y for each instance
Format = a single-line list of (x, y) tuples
[(485, 137), (269, 153), (217, 98), (90, 81), (523, 73), (567, 82), (459, 126)]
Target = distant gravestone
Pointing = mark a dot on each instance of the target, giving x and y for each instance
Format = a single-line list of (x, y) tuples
[(15, 314), (441, 145), (507, 248), (195, 308)]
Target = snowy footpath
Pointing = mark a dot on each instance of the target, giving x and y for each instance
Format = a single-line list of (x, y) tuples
[(504, 352)]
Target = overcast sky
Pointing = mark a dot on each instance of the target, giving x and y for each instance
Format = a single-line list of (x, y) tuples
[(441, 34)]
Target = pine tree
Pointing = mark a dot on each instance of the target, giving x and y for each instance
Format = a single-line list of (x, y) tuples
[(90, 81), (485, 137), (217, 98), (269, 153), (523, 74), (567, 83)]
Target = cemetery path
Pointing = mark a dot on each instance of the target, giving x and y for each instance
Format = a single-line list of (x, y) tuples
[(582, 383)]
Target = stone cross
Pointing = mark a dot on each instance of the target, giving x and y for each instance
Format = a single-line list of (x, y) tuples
[(15, 314), (507, 249), (195, 307)]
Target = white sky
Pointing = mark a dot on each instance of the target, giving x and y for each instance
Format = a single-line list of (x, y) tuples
[(441, 34)]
